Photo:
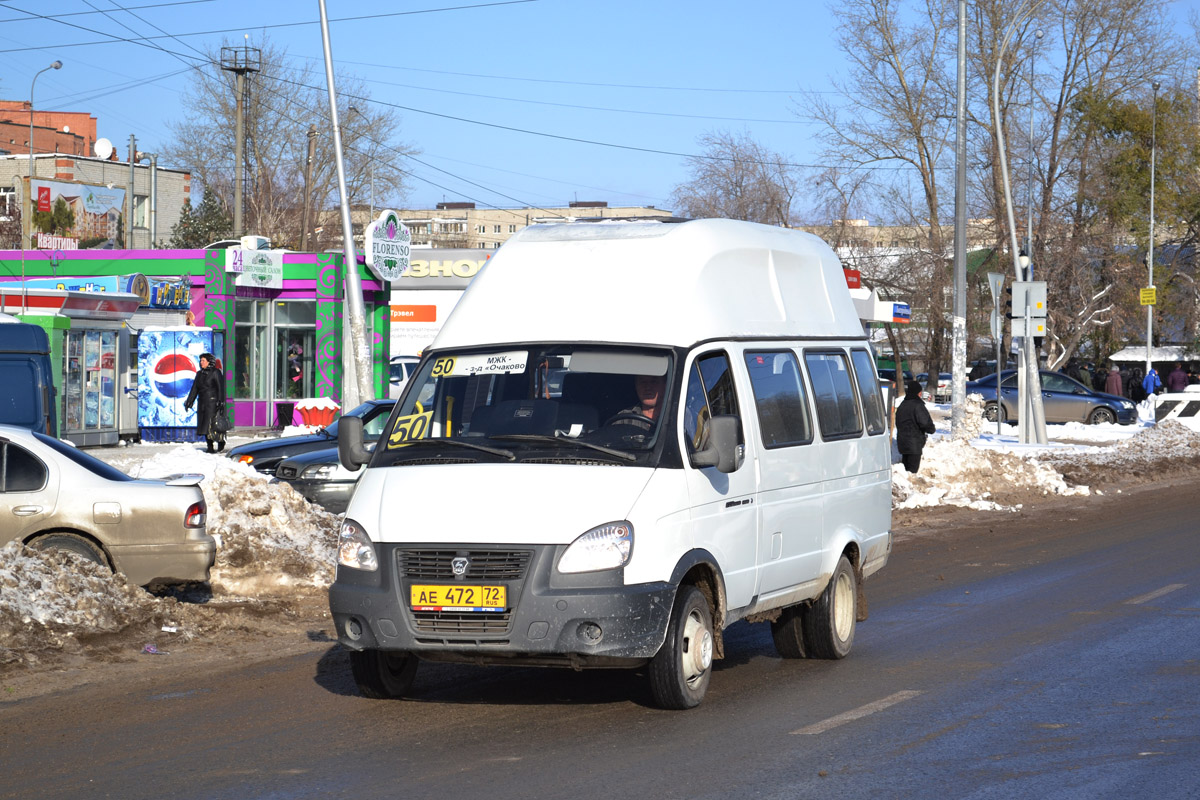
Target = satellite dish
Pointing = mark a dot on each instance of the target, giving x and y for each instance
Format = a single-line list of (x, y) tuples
[(103, 148)]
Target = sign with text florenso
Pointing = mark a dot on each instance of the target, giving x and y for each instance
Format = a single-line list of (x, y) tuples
[(388, 244)]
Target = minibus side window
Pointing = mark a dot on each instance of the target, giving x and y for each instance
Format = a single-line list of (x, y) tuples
[(780, 398), (710, 392), (837, 408), (868, 390)]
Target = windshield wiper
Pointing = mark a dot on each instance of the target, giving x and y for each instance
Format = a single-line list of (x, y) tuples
[(496, 451), (566, 440)]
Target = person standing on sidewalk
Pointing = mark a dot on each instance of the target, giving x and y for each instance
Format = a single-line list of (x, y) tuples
[(913, 425), (208, 391)]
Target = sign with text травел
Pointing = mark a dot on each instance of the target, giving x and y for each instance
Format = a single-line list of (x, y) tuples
[(388, 244), (260, 268)]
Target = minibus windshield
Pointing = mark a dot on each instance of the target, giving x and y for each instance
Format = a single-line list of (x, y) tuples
[(544, 402)]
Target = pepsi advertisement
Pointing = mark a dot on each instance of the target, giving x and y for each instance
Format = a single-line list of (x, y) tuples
[(168, 359)]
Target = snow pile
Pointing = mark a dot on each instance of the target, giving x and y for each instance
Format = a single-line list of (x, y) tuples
[(1151, 452), (270, 539), (50, 598)]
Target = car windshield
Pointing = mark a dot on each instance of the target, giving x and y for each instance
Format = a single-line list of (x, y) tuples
[(548, 403)]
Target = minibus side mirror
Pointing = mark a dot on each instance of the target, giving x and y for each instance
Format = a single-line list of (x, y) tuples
[(351, 451), (723, 450)]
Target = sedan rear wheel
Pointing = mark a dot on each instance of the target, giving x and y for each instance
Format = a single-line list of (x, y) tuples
[(1102, 416), (70, 543), (990, 411)]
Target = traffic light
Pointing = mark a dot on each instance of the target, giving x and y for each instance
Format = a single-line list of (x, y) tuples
[(1008, 300)]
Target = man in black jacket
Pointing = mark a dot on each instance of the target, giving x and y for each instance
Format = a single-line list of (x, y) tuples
[(913, 423)]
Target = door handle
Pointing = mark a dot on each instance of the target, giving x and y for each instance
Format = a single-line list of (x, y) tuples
[(25, 511)]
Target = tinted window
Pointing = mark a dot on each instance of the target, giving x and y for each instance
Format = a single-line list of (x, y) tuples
[(833, 390), (868, 390), (90, 463), (710, 392), (780, 398), (1057, 383), (20, 470)]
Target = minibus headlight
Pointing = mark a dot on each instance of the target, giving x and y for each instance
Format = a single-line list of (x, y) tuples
[(605, 547), (355, 548)]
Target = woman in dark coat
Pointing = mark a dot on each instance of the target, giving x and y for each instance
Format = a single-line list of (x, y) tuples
[(913, 423), (208, 389)]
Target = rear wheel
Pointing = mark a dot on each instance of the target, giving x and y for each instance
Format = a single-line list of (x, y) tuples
[(680, 671), (383, 674), (1102, 416), (70, 543), (829, 624), (788, 632), (991, 410)]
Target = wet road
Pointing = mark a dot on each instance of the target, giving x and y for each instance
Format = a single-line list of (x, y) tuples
[(1045, 657)]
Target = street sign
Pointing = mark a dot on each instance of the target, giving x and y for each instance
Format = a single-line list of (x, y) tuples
[(995, 281), (388, 246), (1149, 295), (1031, 293), (997, 325), (1037, 327)]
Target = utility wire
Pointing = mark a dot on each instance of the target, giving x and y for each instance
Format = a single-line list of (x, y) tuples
[(90, 13)]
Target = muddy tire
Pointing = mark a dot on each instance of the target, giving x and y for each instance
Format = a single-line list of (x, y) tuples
[(991, 409), (829, 624), (1102, 416), (680, 671), (383, 674), (70, 543), (788, 632)]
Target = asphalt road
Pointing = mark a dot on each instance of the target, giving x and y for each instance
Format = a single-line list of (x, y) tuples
[(1044, 656)]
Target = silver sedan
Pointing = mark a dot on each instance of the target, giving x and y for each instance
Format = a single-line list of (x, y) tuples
[(53, 495)]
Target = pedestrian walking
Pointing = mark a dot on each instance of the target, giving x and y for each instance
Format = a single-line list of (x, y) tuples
[(913, 425), (1112, 384), (1152, 384), (208, 394), (1177, 379)]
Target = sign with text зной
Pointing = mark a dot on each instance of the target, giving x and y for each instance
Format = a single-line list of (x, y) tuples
[(387, 245)]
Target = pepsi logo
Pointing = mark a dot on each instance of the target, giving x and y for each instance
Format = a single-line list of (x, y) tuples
[(173, 374)]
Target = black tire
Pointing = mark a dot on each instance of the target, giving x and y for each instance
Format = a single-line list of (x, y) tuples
[(70, 543), (680, 671), (990, 410), (1102, 415), (829, 625), (383, 674), (788, 632)]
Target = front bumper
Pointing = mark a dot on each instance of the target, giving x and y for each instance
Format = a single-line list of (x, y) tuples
[(572, 620)]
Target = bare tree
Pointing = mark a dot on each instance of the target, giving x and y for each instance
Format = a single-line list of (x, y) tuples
[(283, 100), (737, 178)]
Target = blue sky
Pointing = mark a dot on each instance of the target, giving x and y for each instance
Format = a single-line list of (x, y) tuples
[(522, 103)]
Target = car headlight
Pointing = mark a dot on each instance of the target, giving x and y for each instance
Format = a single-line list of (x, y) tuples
[(607, 546), (1127, 405), (355, 548), (319, 472)]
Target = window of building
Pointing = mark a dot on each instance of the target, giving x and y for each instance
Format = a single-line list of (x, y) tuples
[(512, 228), (496, 229)]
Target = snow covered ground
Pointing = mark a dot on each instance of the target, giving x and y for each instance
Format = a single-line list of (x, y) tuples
[(273, 544)]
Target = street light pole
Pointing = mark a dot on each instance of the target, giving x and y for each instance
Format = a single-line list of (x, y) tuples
[(24, 293), (1150, 249), (1029, 213)]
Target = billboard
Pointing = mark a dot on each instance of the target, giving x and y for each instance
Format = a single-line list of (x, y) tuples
[(96, 209)]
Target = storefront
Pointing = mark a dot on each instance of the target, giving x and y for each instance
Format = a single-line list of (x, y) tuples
[(281, 321)]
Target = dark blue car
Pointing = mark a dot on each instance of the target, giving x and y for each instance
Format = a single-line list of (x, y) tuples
[(1064, 399), (264, 455)]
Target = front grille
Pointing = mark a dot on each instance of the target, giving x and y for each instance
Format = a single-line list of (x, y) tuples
[(485, 565), (445, 623)]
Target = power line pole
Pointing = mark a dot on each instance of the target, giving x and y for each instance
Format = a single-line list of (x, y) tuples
[(958, 385), (240, 60)]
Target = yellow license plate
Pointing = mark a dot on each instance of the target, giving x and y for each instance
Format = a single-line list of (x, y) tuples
[(458, 598)]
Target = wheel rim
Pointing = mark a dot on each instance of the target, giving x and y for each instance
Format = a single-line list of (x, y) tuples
[(843, 607), (697, 648), (1102, 416)]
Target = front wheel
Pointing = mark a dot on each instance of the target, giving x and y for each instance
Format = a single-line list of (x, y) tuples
[(680, 671), (991, 410), (829, 624), (1102, 416), (383, 674)]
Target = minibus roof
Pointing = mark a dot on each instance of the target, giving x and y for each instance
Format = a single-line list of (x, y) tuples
[(662, 283)]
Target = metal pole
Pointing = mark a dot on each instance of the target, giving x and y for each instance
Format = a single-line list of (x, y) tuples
[(129, 218), (238, 157), (1029, 213), (1150, 253), (958, 386), (354, 392), (308, 167), (32, 83), (153, 200)]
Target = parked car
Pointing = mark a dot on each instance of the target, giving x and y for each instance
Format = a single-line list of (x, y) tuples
[(1064, 399), (400, 369), (265, 454), (53, 495), (941, 391), (320, 478), (890, 375)]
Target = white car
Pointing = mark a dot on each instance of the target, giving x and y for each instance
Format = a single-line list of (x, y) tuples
[(400, 369)]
